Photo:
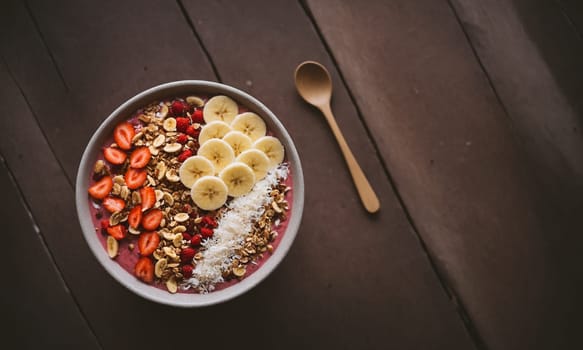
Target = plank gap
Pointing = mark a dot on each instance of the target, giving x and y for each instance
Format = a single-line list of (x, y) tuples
[(568, 18), (199, 40), (45, 247), (46, 46)]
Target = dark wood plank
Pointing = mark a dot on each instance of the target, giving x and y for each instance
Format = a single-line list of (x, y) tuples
[(321, 303), (472, 189), (33, 294), (272, 37)]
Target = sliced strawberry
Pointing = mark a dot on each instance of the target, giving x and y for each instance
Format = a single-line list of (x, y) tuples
[(135, 178), (197, 117), (140, 157), (101, 188), (144, 269), (123, 135), (135, 217), (114, 155), (112, 204), (148, 242), (151, 220), (118, 231), (148, 196)]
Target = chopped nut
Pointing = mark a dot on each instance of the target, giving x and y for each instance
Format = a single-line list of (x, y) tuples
[(160, 170), (133, 231), (115, 189), (159, 194), (131, 246), (118, 179), (124, 192), (163, 112), (169, 252), (137, 136), (153, 150), (136, 198), (99, 166), (144, 118), (168, 198)]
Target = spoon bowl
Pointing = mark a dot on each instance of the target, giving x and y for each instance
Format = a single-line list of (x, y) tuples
[(314, 83)]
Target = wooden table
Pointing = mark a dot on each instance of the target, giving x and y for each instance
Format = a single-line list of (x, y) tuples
[(466, 116)]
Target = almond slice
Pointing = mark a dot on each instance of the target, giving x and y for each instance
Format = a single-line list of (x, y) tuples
[(181, 217)]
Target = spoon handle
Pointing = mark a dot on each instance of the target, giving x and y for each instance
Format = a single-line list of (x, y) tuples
[(367, 195)]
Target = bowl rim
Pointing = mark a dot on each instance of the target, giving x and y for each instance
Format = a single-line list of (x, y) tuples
[(126, 279)]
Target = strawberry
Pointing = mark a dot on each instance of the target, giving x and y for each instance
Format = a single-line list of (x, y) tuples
[(104, 224), (187, 271), (140, 157), (112, 204), (182, 139), (144, 269), (135, 216), (114, 155), (206, 232), (101, 188), (186, 255), (184, 155), (178, 108), (182, 124), (151, 220), (197, 117), (196, 239), (118, 231), (148, 242), (191, 131), (123, 135), (148, 196), (135, 178)]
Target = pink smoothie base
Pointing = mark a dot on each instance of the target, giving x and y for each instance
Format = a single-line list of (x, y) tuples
[(127, 258)]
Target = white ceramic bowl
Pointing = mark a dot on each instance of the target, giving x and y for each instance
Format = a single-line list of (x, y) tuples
[(181, 88)]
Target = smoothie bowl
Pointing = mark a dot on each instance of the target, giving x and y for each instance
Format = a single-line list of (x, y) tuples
[(190, 193)]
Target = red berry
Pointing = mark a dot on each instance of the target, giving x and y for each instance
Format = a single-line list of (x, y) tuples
[(187, 208), (184, 155), (206, 232), (186, 236), (187, 271), (182, 124), (191, 131), (197, 117), (209, 221), (104, 223), (196, 239), (182, 139), (186, 255), (178, 107)]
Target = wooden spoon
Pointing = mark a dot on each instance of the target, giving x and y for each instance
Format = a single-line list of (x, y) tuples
[(315, 86)]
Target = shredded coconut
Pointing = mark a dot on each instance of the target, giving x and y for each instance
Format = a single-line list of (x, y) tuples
[(235, 223)]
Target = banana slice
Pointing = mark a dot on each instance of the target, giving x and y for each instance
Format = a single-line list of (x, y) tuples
[(169, 124), (218, 152), (213, 130), (272, 147), (220, 108), (193, 169), (257, 161), (239, 178), (209, 192), (250, 124), (238, 141)]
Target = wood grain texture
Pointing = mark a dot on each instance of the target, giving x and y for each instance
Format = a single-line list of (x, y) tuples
[(459, 164), (347, 268)]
